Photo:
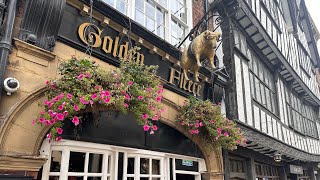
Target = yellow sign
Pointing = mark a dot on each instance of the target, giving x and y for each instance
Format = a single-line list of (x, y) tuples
[(106, 43), (177, 78)]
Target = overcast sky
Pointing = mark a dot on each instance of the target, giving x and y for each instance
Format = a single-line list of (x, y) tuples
[(314, 9)]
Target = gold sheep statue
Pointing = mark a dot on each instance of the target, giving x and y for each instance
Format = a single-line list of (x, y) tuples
[(201, 48)]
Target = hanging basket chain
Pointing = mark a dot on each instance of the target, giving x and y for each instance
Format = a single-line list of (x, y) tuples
[(90, 43)]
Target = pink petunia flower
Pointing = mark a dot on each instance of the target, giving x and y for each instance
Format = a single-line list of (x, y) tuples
[(155, 117), (88, 75), (91, 102), (60, 117), (140, 97), (128, 97), (65, 113), (80, 76), (159, 98), (75, 120), (59, 138), (47, 82), (152, 108), (41, 120), (125, 105), (145, 116), (130, 83), (33, 122), (61, 107), (49, 104), (196, 131), (106, 93), (155, 127), (42, 112), (94, 96), (226, 134), (219, 130), (69, 96), (83, 101), (160, 86), (149, 89), (196, 125), (107, 100), (59, 130), (146, 127), (182, 123), (49, 135), (76, 107), (48, 123), (200, 124), (211, 121)]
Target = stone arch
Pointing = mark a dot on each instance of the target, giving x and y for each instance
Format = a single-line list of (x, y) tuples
[(19, 137)]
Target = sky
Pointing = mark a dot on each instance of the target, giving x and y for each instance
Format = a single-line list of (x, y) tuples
[(314, 9)]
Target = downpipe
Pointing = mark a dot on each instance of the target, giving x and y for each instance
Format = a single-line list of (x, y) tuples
[(6, 41)]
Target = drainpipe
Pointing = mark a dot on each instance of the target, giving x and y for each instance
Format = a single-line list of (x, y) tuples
[(5, 43), (205, 12)]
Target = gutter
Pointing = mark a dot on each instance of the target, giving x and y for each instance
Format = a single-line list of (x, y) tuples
[(5, 43)]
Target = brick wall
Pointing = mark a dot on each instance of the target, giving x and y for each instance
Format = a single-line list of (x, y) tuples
[(199, 11)]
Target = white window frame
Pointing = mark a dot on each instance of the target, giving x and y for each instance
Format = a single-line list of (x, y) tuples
[(168, 18), (108, 150)]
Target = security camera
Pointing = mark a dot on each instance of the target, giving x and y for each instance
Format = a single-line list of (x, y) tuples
[(11, 85)]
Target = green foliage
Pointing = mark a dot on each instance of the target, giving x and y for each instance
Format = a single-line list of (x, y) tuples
[(84, 86), (205, 119)]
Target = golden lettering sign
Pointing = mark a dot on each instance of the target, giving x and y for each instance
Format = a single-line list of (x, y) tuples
[(177, 78), (90, 34)]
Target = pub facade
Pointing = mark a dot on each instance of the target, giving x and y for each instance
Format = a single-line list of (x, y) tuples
[(41, 34), (265, 79), (272, 58)]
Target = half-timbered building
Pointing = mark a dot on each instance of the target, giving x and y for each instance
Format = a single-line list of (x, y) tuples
[(271, 57)]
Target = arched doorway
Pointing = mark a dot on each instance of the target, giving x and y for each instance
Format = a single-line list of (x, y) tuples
[(21, 141)]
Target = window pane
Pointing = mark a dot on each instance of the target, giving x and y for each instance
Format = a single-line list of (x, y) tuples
[(139, 17), (130, 168), (150, 23), (140, 4), (155, 166), (144, 178), (110, 2), (76, 162), (94, 178), (121, 6), (55, 161), (95, 163), (163, 2), (75, 178), (144, 166), (130, 178), (150, 11), (53, 177)]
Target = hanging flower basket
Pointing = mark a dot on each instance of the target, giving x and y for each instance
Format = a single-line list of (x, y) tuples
[(205, 119), (131, 88)]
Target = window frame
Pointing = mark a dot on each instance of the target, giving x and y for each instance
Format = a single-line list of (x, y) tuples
[(66, 146), (301, 111), (168, 18)]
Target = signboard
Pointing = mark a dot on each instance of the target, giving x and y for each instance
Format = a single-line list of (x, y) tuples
[(187, 163), (109, 45), (296, 169)]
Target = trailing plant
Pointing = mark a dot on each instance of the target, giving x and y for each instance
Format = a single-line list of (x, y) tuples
[(84, 86), (205, 119)]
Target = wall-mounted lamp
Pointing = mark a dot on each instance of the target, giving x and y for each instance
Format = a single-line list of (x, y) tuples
[(277, 157), (318, 165)]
